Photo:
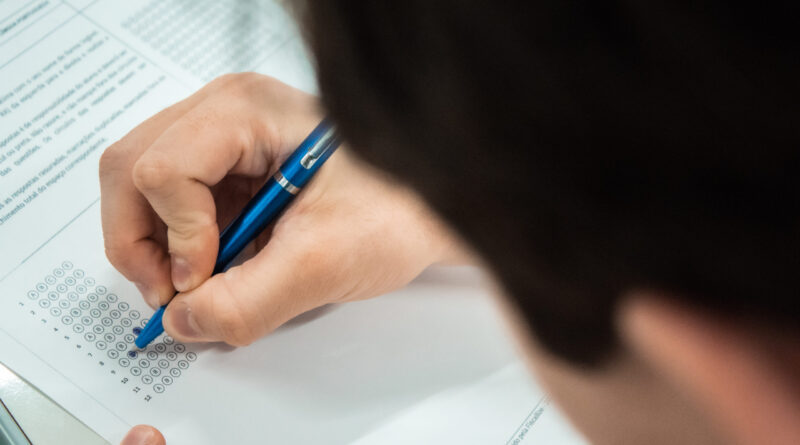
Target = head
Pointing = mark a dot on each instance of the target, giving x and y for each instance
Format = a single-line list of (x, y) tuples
[(629, 172)]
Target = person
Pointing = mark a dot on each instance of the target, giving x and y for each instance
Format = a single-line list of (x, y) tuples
[(626, 171)]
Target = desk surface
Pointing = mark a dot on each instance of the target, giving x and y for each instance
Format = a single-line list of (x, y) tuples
[(44, 422)]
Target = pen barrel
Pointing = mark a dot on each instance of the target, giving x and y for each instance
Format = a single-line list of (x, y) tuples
[(277, 193), (299, 168), (263, 209)]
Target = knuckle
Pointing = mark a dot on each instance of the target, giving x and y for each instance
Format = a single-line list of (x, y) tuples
[(252, 83), (219, 82), (232, 82), (225, 79), (151, 172), (246, 85)]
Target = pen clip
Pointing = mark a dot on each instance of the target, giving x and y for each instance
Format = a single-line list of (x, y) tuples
[(323, 144)]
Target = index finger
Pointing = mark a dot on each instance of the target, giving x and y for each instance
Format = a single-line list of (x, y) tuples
[(216, 138), (130, 228)]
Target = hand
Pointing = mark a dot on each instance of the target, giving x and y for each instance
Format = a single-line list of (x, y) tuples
[(143, 435), (170, 184)]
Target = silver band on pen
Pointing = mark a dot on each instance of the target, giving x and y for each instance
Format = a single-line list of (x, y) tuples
[(283, 182)]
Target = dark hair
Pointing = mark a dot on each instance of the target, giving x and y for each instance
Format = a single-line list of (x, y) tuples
[(586, 148)]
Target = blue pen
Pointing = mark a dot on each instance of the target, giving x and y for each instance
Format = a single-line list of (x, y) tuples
[(263, 209)]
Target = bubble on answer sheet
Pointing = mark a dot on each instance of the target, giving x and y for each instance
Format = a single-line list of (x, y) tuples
[(78, 310)]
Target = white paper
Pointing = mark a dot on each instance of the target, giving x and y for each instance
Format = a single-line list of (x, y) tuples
[(420, 363)]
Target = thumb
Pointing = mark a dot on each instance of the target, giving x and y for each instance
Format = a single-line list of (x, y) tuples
[(248, 301)]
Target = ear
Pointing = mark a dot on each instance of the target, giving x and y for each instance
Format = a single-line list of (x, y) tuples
[(744, 377)]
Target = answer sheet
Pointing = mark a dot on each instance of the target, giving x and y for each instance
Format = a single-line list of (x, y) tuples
[(431, 363)]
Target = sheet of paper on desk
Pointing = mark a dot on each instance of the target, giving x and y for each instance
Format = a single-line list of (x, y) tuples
[(430, 363)]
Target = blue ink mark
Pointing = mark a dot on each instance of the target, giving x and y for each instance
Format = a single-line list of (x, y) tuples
[(132, 354), (137, 330)]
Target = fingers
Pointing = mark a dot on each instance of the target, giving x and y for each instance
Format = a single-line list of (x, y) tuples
[(128, 222), (174, 175), (159, 218), (154, 182), (143, 435)]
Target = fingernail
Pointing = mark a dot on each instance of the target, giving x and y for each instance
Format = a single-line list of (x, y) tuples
[(180, 273), (140, 435), (183, 322), (150, 297)]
